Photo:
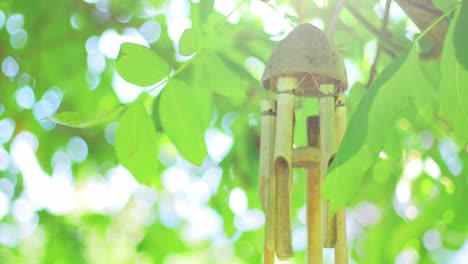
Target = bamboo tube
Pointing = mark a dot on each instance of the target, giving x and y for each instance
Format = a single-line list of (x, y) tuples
[(283, 148), (267, 184), (314, 198), (303, 157), (328, 147), (341, 247)]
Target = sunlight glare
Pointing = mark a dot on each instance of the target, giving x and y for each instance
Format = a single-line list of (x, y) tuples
[(273, 22), (352, 71), (413, 167), (431, 168), (321, 3), (2, 19), (151, 31), (19, 39), (14, 23), (7, 127), (4, 159), (77, 149), (218, 144), (403, 191), (175, 179), (25, 97), (299, 238), (407, 256), (249, 220), (212, 177), (203, 224), (432, 239), (225, 7), (238, 201), (125, 91), (10, 67), (54, 194), (4, 205)]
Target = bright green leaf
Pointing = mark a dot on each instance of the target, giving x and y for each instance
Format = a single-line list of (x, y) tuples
[(185, 114), (444, 5), (140, 65), (136, 143), (454, 87), (398, 87), (188, 43), (157, 3), (460, 38), (76, 119)]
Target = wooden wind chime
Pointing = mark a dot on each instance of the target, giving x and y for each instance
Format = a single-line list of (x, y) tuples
[(305, 64)]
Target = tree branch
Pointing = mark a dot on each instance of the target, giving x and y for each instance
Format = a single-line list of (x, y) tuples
[(373, 71), (336, 15), (387, 45)]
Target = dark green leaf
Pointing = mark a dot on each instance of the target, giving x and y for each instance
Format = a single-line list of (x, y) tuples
[(453, 86), (398, 86), (140, 65), (460, 36), (155, 113), (185, 114), (136, 143)]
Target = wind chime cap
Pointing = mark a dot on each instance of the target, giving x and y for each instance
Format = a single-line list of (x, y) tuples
[(308, 55)]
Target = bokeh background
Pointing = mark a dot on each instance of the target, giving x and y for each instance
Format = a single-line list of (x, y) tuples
[(64, 197)]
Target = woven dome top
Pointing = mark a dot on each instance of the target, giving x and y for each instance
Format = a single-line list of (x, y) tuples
[(307, 54)]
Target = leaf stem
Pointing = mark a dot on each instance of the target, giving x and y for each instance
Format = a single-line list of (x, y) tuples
[(436, 22), (176, 72)]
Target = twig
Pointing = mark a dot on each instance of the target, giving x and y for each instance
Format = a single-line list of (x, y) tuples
[(379, 47), (388, 44), (336, 15)]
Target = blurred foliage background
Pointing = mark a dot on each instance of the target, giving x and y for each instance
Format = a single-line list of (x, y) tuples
[(66, 198)]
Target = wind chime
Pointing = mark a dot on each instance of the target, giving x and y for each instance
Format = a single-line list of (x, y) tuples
[(304, 64)]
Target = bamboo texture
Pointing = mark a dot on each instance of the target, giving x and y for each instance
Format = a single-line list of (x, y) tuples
[(267, 141), (341, 247), (314, 198), (303, 157), (328, 149), (283, 150)]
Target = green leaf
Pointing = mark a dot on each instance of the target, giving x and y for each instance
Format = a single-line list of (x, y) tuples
[(445, 5), (76, 119), (185, 114), (220, 78), (155, 114), (460, 38), (188, 43), (136, 143), (398, 87), (453, 89), (140, 65)]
